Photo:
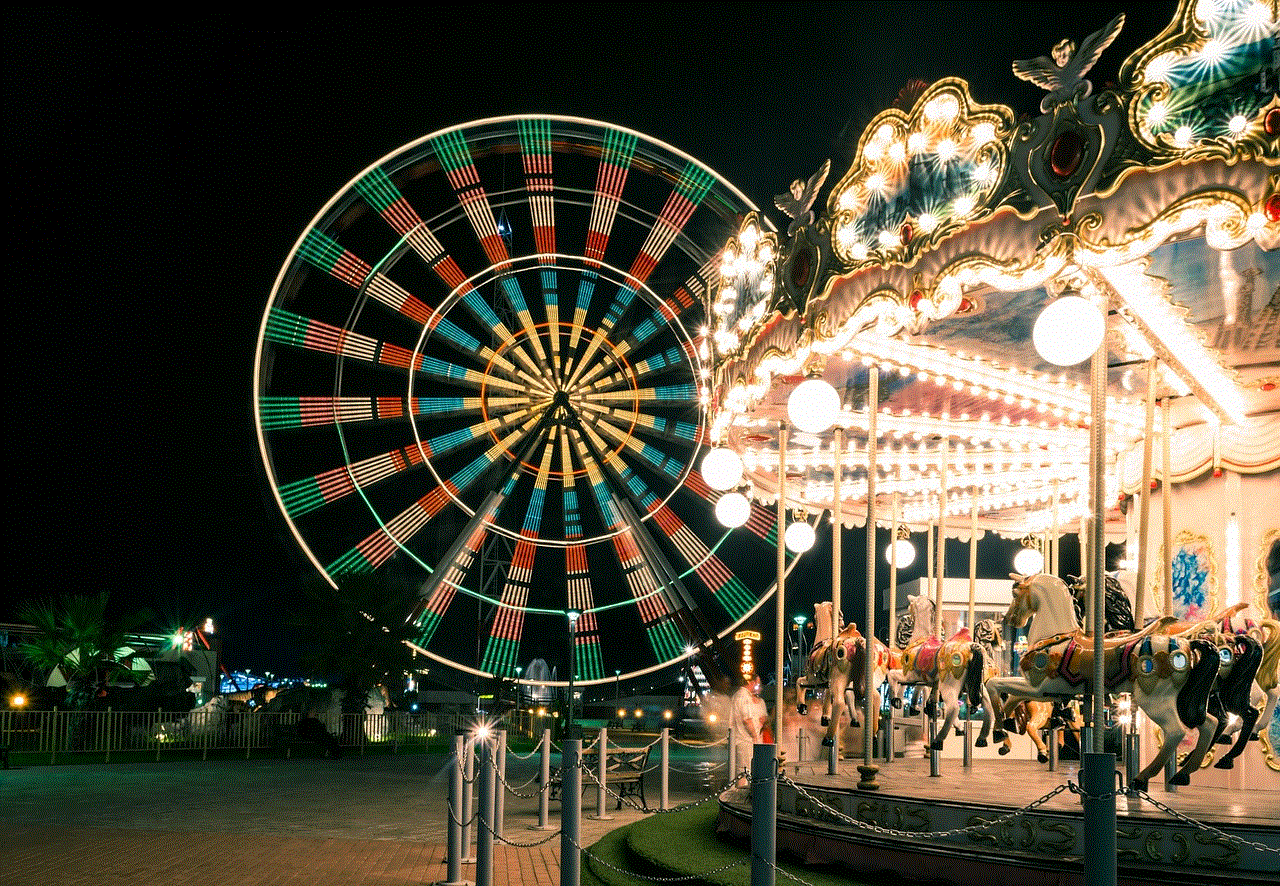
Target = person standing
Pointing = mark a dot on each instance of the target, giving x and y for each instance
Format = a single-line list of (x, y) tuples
[(750, 715)]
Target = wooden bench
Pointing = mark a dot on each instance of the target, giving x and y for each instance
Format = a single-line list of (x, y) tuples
[(624, 773)]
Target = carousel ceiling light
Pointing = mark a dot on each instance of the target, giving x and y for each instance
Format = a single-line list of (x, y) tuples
[(813, 406), (1237, 124), (1182, 137), (722, 469), (733, 510), (1068, 330)]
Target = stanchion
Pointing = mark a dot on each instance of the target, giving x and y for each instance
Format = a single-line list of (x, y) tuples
[(484, 833), (665, 752), (1097, 780), (602, 769), (764, 815), (833, 752), (1170, 770), (800, 745), (454, 860), (570, 812), (1054, 735), (733, 755), (544, 790), (500, 787), (888, 736), (468, 796), (1132, 756), (935, 757), (968, 743)]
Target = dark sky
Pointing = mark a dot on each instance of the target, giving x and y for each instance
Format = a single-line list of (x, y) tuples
[(162, 169)]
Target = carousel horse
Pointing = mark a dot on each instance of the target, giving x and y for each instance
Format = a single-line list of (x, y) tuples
[(838, 664), (1241, 658), (945, 667), (1030, 718), (1118, 614), (1169, 677), (1245, 620)]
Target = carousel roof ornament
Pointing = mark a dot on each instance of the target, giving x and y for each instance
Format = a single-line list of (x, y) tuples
[(797, 203), (1063, 74)]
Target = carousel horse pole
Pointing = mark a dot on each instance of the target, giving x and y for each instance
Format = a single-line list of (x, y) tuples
[(1169, 677)]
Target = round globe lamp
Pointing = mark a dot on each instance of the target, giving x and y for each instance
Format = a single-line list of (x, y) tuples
[(813, 406), (733, 510), (1028, 561), (906, 552), (1068, 330), (722, 469), (799, 537)]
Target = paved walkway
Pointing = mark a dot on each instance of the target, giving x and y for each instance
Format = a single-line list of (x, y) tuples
[(355, 820)]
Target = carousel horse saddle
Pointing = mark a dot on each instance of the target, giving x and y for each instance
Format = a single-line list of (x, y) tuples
[(1069, 657)]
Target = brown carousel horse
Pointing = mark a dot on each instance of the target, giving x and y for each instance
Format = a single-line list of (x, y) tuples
[(1169, 677), (837, 664)]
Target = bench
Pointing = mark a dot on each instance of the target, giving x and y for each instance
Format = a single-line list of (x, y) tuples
[(624, 773)]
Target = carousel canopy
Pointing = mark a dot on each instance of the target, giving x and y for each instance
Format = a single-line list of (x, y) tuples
[(976, 261)]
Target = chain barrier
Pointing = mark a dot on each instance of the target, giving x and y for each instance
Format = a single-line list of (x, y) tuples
[(640, 807), (700, 744), (954, 832), (685, 879), (501, 839), (516, 790), (462, 824), (1261, 847)]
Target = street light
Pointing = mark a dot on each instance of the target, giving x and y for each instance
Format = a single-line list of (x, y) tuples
[(573, 615)]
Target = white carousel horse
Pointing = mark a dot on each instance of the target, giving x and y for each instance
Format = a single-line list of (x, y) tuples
[(839, 665), (945, 667), (1169, 677)]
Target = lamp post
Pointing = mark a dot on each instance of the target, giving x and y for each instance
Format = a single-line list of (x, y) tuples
[(573, 615)]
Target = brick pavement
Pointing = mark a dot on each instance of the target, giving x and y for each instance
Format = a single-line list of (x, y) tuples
[(357, 820)]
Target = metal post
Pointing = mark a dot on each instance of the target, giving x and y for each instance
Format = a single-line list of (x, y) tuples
[(544, 790), (1166, 504), (780, 627), (571, 813), (837, 558), (935, 757), (500, 787), (733, 752), (602, 750), (973, 586), (455, 803), (1055, 735), (1097, 779), (484, 833), (764, 815), (1170, 770), (665, 750), (468, 796), (1144, 498), (1132, 759), (868, 768)]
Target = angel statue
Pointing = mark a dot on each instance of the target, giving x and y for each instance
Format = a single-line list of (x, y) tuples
[(1063, 75), (798, 204)]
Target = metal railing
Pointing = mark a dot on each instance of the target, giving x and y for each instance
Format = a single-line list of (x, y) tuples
[(132, 733)]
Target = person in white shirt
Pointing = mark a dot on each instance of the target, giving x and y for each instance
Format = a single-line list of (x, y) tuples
[(749, 718)]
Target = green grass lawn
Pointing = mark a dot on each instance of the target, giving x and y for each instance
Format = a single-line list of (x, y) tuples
[(685, 844)]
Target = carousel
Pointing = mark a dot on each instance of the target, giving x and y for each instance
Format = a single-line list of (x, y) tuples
[(1039, 328)]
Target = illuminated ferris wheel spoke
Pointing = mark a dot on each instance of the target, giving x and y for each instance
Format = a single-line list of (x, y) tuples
[(378, 547), (501, 652), (692, 186), (451, 574), (309, 493)]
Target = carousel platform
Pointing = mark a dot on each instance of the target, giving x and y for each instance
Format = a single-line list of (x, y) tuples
[(960, 827)]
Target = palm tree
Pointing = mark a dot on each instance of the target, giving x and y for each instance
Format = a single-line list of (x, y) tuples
[(77, 636)]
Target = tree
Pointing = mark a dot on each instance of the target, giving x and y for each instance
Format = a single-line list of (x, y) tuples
[(78, 636), (353, 636)]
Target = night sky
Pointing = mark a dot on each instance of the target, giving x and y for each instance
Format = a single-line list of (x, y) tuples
[(164, 167)]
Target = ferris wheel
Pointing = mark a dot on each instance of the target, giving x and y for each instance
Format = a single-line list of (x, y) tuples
[(483, 361)]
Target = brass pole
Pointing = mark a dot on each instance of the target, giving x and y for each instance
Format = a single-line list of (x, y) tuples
[(1144, 498)]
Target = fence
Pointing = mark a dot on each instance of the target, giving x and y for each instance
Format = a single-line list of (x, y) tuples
[(133, 733)]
